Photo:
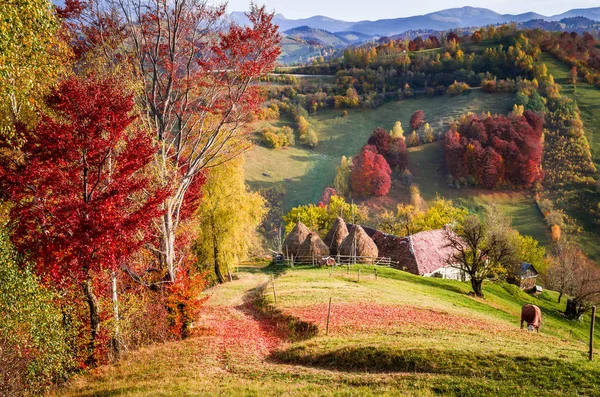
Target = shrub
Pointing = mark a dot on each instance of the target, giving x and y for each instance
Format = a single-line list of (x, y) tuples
[(275, 138), (33, 348), (370, 173), (457, 88)]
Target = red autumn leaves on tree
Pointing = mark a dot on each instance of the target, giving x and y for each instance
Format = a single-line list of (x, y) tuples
[(371, 174), (496, 151), (392, 149), (417, 120), (82, 203)]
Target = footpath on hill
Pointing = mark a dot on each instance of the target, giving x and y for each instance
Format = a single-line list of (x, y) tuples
[(231, 325)]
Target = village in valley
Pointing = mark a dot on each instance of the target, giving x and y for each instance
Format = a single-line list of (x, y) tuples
[(391, 200)]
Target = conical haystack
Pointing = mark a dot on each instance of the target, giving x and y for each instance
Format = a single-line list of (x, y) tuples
[(358, 243), (336, 235), (313, 248), (294, 239)]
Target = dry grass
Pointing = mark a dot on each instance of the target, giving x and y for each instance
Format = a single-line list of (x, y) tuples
[(395, 335)]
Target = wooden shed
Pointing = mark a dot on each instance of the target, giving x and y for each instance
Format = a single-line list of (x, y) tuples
[(526, 277)]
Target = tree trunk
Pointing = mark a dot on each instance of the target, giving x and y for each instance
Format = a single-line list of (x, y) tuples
[(116, 340), (94, 318), (560, 294), (220, 277), (477, 287), (168, 242)]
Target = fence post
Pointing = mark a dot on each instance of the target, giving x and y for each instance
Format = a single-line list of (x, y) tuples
[(273, 284), (359, 275), (592, 333), (328, 316), (347, 268), (375, 273)]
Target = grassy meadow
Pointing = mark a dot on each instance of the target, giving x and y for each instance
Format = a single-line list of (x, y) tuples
[(309, 172), (394, 334), (304, 174)]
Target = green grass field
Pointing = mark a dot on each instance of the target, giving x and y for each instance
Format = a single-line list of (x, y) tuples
[(311, 171), (304, 174), (397, 334)]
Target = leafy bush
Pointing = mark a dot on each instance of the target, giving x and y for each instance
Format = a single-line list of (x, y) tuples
[(33, 349), (277, 137), (457, 88)]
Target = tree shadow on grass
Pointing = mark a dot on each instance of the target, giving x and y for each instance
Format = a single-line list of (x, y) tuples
[(543, 372)]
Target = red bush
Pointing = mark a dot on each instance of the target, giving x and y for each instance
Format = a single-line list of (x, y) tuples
[(496, 151), (417, 120), (370, 173)]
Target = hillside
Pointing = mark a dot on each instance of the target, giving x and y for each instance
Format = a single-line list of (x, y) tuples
[(394, 334), (317, 37)]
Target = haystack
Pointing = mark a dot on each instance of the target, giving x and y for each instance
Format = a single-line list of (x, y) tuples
[(336, 235), (313, 248), (358, 243), (294, 239)]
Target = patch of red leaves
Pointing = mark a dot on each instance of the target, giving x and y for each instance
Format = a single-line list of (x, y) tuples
[(368, 317), (239, 331)]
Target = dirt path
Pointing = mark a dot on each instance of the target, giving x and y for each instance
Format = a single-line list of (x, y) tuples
[(232, 328)]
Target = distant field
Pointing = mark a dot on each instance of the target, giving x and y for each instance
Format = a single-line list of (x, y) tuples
[(311, 171), (427, 166)]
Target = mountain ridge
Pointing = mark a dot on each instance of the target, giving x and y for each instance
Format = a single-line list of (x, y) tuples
[(450, 18)]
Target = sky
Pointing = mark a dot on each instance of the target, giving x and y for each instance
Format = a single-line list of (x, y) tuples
[(358, 10)]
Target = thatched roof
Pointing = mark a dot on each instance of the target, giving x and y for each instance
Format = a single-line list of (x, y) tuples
[(294, 239), (336, 235), (358, 243), (312, 247)]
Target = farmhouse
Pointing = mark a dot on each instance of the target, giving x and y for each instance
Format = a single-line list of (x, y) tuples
[(423, 253), (526, 277)]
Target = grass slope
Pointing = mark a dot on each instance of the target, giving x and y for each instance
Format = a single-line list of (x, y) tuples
[(396, 334), (588, 101)]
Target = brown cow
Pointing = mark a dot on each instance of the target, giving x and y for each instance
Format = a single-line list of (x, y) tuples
[(533, 316)]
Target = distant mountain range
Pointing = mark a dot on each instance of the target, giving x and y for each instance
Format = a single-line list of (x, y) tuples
[(440, 20)]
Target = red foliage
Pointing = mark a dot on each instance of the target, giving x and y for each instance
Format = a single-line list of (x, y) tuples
[(370, 173), (184, 301), (452, 37), (393, 150), (381, 139), (417, 120), (80, 200), (326, 197), (496, 151), (397, 156)]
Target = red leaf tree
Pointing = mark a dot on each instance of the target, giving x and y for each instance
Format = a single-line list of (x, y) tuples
[(392, 149), (496, 151), (81, 201), (371, 174), (417, 120), (196, 72)]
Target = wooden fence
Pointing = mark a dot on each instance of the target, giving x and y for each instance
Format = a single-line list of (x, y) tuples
[(340, 260)]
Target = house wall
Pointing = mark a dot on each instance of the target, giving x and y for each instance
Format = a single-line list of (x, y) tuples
[(528, 283), (398, 249), (449, 273)]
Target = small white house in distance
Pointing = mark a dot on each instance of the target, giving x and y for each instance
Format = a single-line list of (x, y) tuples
[(450, 273)]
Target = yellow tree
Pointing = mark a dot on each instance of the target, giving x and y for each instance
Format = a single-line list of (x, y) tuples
[(32, 57), (227, 219)]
